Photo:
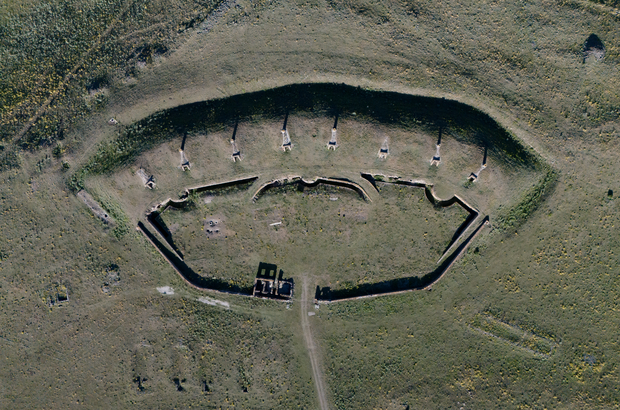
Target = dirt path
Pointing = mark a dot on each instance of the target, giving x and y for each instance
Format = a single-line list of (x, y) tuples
[(312, 350)]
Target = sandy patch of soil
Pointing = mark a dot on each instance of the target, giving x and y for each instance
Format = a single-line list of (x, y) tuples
[(165, 290)]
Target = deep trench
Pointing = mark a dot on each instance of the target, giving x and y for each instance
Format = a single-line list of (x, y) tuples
[(175, 257)]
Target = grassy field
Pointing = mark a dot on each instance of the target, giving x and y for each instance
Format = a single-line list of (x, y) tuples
[(116, 328), (545, 276), (350, 241), (431, 358), (504, 190)]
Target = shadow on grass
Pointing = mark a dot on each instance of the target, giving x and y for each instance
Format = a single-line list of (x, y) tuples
[(430, 195), (160, 226), (187, 273), (465, 123), (322, 294), (401, 284)]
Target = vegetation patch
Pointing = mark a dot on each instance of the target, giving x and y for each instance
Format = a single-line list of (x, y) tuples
[(66, 52), (529, 202), (9, 158), (514, 335), (121, 223)]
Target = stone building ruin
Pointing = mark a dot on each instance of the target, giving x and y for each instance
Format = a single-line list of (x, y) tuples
[(286, 141), (270, 284), (332, 144), (185, 165), (473, 177), (436, 160), (148, 181), (384, 151)]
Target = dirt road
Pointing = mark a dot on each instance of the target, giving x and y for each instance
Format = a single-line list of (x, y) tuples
[(312, 350)]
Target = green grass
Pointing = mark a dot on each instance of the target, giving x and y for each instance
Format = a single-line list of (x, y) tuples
[(530, 201), (158, 338), (398, 235), (75, 49), (513, 334), (121, 221), (552, 272), (9, 158)]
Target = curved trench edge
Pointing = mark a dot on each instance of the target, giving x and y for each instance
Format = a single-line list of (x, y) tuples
[(325, 295), (296, 179), (402, 285)]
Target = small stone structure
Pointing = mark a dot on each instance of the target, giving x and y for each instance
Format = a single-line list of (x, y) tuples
[(593, 48), (185, 165), (236, 154), (436, 160), (333, 144), (270, 284), (286, 141), (473, 177), (148, 181), (384, 151), (56, 295)]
